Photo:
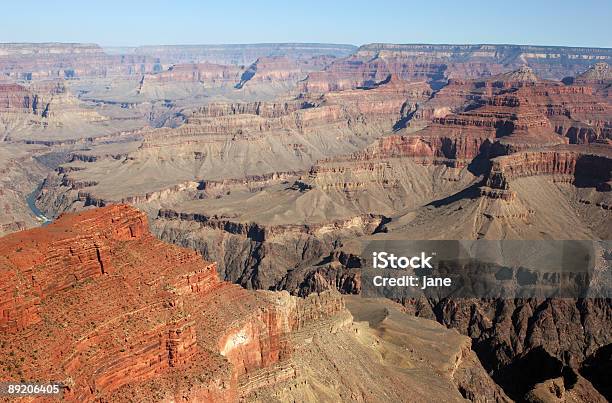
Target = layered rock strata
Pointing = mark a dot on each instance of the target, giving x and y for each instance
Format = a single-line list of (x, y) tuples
[(83, 305), (176, 317), (238, 54), (436, 63)]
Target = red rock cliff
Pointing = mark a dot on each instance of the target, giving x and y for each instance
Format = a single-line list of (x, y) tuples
[(590, 163), (96, 302)]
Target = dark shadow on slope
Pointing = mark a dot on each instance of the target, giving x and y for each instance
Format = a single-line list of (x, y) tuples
[(384, 81), (481, 164), (592, 170), (438, 79), (471, 192), (597, 369), (245, 77), (504, 128), (382, 226), (526, 371), (402, 123), (371, 84)]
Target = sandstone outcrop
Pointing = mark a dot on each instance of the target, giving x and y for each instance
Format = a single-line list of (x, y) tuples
[(16, 98), (48, 111), (500, 115), (598, 73), (277, 70), (229, 153), (176, 316), (108, 324), (267, 73), (27, 61), (266, 137), (592, 165), (598, 76), (522, 74)]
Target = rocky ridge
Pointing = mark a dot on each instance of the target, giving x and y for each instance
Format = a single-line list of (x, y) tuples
[(177, 331), (436, 63), (238, 54), (493, 154)]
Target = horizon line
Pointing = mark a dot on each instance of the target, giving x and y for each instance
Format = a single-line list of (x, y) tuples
[(309, 43)]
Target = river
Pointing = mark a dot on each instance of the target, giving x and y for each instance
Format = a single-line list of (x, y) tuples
[(31, 200)]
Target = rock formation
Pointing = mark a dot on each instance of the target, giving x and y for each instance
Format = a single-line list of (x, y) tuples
[(277, 162), (109, 325), (48, 110), (28, 61), (598, 76), (266, 137), (510, 336), (372, 63), (208, 73), (273, 69), (239, 54), (592, 164)]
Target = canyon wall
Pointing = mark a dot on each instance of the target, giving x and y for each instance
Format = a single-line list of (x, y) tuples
[(26, 61), (239, 54), (580, 164), (372, 63), (112, 344), (107, 324)]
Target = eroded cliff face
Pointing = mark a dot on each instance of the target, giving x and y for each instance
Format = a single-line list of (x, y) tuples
[(278, 189), (115, 314), (268, 73), (179, 79), (46, 99), (259, 225), (598, 76), (58, 286), (510, 336), (206, 73), (29, 61), (20, 102), (238, 54), (159, 325), (582, 165), (48, 112), (504, 114), (278, 70), (518, 113), (16, 98), (435, 63), (259, 256), (234, 140)]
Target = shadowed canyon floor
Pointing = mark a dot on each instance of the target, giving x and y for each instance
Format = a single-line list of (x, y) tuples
[(277, 162)]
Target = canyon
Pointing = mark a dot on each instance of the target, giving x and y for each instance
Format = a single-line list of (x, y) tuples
[(177, 331), (260, 172), (420, 62)]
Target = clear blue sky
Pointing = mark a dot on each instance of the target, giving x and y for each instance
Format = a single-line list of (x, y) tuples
[(134, 22)]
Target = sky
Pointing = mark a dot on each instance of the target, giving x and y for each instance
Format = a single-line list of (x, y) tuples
[(152, 22)]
